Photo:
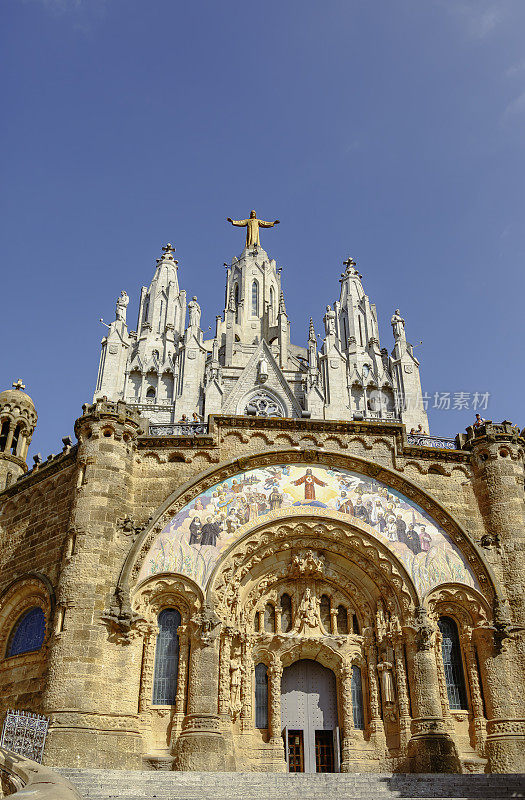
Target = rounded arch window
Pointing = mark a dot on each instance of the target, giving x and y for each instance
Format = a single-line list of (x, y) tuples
[(28, 633), (166, 658), (452, 663)]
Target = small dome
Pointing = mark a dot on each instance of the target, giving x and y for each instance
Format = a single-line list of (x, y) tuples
[(16, 397)]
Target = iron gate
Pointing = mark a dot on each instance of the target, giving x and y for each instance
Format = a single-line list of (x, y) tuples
[(25, 733)]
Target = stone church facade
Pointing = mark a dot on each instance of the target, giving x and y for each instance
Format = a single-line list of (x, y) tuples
[(249, 561)]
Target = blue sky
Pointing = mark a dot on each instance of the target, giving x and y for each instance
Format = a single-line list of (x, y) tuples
[(389, 130)]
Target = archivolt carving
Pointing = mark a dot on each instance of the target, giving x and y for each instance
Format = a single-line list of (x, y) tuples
[(163, 591), (254, 569), (466, 605)]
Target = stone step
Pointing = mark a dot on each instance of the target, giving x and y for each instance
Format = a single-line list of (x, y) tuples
[(157, 785)]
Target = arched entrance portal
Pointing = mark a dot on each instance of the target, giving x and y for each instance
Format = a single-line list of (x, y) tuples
[(309, 717)]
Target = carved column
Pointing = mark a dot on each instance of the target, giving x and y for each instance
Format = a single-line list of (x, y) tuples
[(148, 660), (201, 745), (431, 748), (348, 731), (333, 620), (224, 674), (182, 673), (478, 715), (275, 672), (184, 654), (402, 695), (505, 726), (278, 613), (276, 759), (246, 687), (375, 725)]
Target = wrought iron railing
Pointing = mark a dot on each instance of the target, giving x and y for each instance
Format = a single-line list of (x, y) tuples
[(179, 429), (25, 733), (423, 440)]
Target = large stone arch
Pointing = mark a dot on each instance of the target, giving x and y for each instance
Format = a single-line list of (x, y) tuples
[(472, 555)]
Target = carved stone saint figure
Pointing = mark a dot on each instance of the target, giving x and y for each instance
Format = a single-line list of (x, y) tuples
[(194, 312), (398, 325), (122, 304), (308, 611), (252, 225), (387, 681), (236, 672), (329, 320)]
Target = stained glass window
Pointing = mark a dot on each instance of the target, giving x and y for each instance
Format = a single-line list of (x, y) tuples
[(286, 613), (255, 299), (28, 633), (451, 653), (357, 699), (166, 658), (261, 696)]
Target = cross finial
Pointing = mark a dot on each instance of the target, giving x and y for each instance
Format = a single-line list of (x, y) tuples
[(349, 262), (19, 385), (168, 249)]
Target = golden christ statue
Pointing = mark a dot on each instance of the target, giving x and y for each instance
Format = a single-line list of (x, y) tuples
[(252, 226)]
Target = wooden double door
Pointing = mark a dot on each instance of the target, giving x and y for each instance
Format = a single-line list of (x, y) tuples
[(309, 717)]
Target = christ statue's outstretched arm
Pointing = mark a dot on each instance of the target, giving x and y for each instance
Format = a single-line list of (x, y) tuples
[(240, 223)]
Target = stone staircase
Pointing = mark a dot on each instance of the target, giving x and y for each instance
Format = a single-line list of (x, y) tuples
[(99, 784)]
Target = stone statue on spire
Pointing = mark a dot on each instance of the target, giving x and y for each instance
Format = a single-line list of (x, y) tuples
[(398, 325), (252, 225), (122, 304)]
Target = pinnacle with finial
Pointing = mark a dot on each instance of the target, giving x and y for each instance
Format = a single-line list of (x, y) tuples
[(282, 307), (19, 385), (311, 332)]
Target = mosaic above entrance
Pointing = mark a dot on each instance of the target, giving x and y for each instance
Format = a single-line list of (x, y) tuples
[(192, 542)]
